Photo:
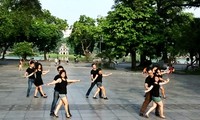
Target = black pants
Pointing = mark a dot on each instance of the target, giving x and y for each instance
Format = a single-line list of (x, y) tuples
[(90, 89)]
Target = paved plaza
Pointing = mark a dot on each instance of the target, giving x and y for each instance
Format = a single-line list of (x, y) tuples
[(124, 89)]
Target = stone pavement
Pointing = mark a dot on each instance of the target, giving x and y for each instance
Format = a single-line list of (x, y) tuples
[(124, 90)]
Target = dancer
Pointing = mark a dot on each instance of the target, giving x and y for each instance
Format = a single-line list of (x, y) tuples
[(62, 83), (160, 73), (94, 75), (99, 84), (56, 93), (171, 68), (20, 64), (157, 101), (38, 80), (144, 72), (30, 75), (148, 82)]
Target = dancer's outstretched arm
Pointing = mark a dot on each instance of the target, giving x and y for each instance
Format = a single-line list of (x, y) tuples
[(54, 82), (45, 72), (105, 75), (165, 82), (73, 81), (26, 74), (149, 89)]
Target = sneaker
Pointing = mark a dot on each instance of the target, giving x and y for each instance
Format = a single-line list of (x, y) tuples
[(105, 98), (51, 114), (141, 114), (54, 115), (147, 116), (101, 97), (44, 96), (94, 97), (69, 114)]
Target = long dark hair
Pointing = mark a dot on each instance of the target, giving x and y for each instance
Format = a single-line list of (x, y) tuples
[(37, 66), (62, 72)]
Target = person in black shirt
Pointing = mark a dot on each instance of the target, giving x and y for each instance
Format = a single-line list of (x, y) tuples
[(93, 75), (160, 73), (62, 89), (154, 88), (56, 93), (148, 82), (99, 83), (38, 80), (30, 75)]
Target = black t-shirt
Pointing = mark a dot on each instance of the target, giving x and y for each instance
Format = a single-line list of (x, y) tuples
[(155, 91), (29, 71), (63, 87), (149, 80), (56, 88), (99, 78), (94, 73)]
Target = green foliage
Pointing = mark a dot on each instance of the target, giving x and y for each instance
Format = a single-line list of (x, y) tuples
[(23, 49), (82, 36), (24, 20), (148, 27), (15, 21)]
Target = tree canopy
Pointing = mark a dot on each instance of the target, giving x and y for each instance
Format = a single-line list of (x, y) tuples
[(24, 20)]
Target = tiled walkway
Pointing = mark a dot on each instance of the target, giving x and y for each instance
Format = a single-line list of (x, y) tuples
[(124, 90)]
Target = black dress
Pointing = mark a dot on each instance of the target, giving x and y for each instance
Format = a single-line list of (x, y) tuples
[(38, 79)]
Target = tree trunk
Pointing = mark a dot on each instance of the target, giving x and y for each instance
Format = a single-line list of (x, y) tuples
[(4, 51), (133, 59), (164, 58), (142, 60), (198, 59), (45, 55)]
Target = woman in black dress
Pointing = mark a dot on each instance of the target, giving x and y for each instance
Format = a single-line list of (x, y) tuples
[(38, 80)]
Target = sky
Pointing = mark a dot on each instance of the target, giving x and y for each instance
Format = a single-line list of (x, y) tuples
[(72, 9)]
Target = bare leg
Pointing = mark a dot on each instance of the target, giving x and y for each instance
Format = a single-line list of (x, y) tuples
[(66, 104), (151, 109), (58, 107), (163, 91), (98, 89), (40, 87), (103, 91), (161, 109), (36, 90)]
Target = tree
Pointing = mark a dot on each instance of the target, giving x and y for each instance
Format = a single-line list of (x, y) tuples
[(145, 26), (133, 26), (47, 32), (189, 42), (23, 49), (16, 16), (82, 36)]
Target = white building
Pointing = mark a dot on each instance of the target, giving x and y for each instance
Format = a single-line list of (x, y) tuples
[(63, 50)]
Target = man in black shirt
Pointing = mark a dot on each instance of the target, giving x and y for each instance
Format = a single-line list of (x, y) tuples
[(56, 93), (30, 75), (148, 96), (94, 75)]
